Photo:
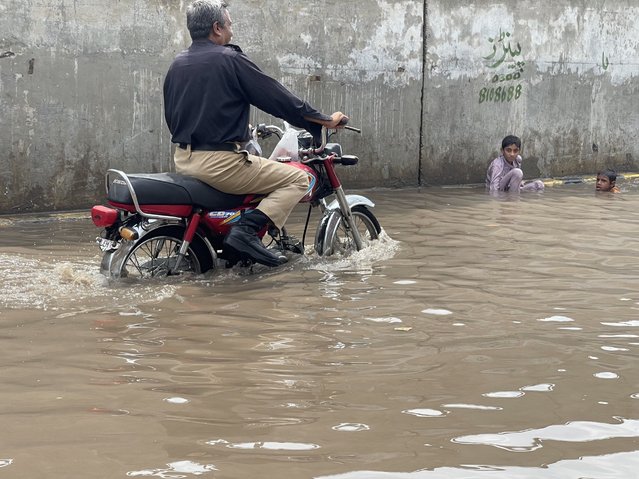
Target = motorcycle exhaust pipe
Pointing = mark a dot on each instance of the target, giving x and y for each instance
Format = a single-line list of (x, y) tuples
[(128, 234)]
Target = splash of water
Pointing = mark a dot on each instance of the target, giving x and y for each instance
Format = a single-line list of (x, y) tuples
[(382, 249), (37, 284)]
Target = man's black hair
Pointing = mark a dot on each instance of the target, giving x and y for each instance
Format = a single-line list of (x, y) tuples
[(610, 173)]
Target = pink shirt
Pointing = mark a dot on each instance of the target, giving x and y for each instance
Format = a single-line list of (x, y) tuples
[(497, 169)]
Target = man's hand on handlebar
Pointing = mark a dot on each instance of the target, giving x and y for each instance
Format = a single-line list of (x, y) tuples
[(338, 120)]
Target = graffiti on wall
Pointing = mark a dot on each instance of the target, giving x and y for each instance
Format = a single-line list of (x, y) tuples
[(506, 67)]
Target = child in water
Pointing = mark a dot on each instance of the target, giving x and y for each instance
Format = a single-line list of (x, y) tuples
[(504, 172), (606, 181)]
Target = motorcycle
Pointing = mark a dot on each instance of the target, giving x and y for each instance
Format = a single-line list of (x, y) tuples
[(164, 224)]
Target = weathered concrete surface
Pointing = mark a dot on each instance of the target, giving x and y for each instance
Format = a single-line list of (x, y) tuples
[(80, 87), (365, 60), (569, 71), (81, 82)]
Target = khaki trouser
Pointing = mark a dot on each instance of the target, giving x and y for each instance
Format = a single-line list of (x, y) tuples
[(240, 173)]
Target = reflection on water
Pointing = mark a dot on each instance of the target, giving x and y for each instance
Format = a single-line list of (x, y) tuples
[(175, 470), (609, 465), (578, 431), (275, 446), (482, 338)]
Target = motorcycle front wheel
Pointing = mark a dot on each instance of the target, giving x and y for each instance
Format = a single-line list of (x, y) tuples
[(338, 240), (156, 254)]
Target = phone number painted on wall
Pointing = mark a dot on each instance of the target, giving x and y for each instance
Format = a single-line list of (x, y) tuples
[(500, 94)]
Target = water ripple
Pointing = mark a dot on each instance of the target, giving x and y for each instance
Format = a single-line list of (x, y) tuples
[(578, 431), (623, 465)]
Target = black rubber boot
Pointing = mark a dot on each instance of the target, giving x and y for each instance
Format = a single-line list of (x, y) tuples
[(243, 240)]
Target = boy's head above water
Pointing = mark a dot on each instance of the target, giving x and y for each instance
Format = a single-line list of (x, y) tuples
[(606, 180), (510, 148)]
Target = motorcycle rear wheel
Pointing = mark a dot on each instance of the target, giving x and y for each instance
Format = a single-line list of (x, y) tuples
[(341, 242), (156, 254)]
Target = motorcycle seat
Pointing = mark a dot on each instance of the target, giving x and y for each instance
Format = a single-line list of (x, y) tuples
[(171, 189)]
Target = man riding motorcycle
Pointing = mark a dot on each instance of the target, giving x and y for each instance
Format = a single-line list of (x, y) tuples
[(208, 91)]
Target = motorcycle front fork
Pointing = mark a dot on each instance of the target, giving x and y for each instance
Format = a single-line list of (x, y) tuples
[(349, 221)]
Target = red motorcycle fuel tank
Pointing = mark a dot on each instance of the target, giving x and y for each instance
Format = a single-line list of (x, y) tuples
[(313, 182)]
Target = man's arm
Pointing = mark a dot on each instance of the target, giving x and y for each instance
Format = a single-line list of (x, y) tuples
[(334, 122), (493, 175), (272, 97)]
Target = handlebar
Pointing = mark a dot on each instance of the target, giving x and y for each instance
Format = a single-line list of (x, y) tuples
[(320, 149), (344, 124), (264, 131)]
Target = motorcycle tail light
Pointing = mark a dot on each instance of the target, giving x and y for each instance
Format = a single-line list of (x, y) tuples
[(128, 234), (103, 216)]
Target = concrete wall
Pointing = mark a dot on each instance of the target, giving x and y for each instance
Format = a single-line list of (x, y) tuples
[(364, 58), (563, 75), (80, 91), (81, 82)]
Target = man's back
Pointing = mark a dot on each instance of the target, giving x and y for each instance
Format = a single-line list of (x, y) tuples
[(209, 89), (203, 99)]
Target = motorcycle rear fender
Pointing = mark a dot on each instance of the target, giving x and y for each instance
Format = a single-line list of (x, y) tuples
[(107, 261)]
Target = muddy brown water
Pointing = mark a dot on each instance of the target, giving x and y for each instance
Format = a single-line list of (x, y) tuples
[(482, 338)]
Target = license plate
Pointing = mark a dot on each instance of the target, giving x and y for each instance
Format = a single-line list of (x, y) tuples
[(106, 244)]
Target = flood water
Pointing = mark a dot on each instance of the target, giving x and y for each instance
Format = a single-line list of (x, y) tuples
[(484, 337)]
